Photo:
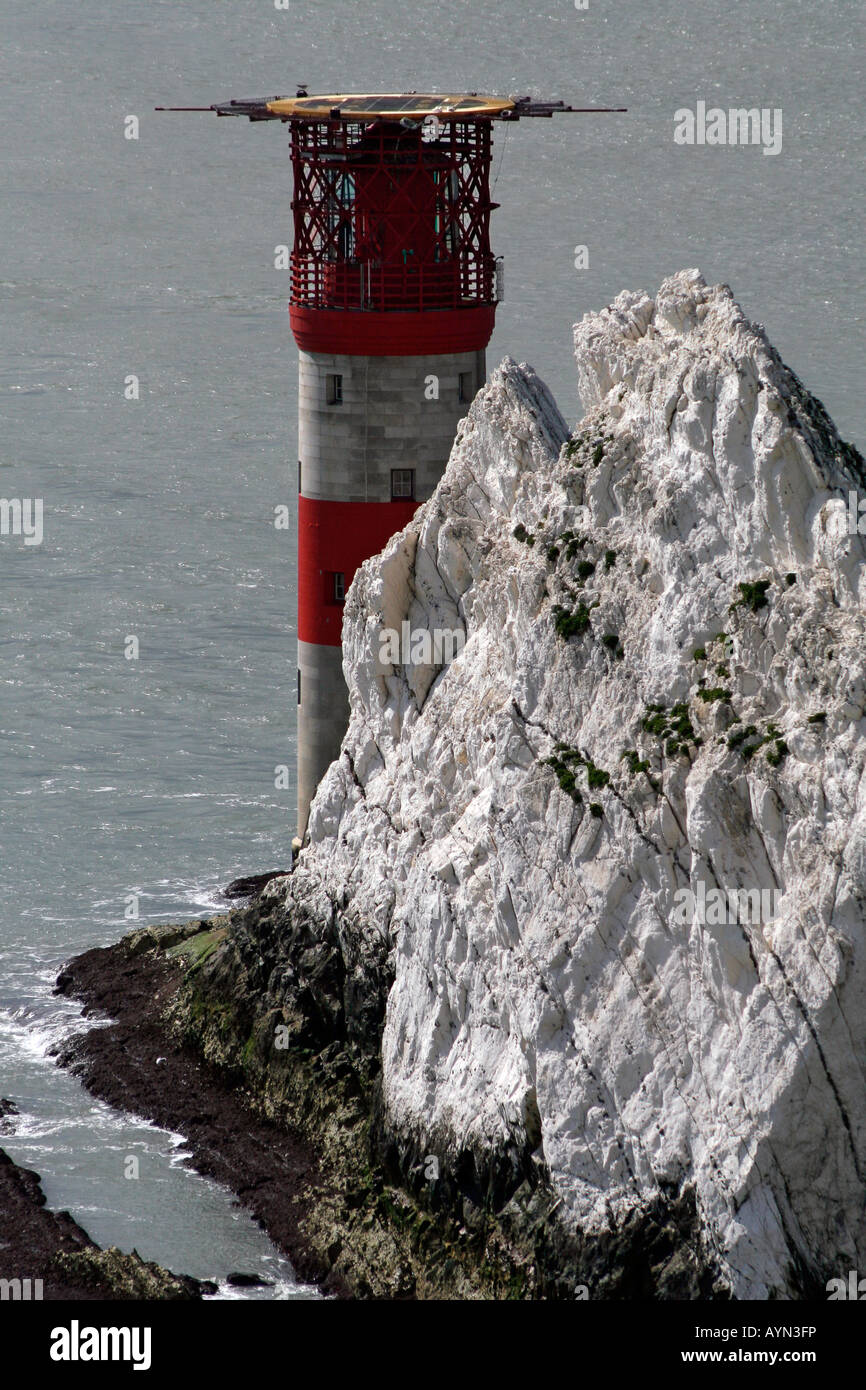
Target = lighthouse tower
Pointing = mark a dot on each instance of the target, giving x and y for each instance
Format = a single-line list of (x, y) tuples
[(392, 306), (393, 296)]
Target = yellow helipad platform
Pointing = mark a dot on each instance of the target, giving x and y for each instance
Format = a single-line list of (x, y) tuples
[(392, 105)]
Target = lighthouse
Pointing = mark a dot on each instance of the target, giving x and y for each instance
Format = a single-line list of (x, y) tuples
[(394, 289)]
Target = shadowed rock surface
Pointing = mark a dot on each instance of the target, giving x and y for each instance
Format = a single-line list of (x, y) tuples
[(251, 885)]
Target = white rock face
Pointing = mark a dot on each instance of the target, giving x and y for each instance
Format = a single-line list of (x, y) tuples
[(540, 959)]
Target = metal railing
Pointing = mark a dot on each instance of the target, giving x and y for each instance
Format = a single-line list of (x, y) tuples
[(376, 287)]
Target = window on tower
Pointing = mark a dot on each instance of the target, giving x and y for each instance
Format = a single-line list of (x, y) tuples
[(339, 586), (342, 215), (466, 385), (334, 384), (402, 484)]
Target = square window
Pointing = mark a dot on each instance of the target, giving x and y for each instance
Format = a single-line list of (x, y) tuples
[(334, 385), (402, 483)]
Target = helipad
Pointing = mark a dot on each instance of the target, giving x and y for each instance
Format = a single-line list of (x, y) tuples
[(391, 106)]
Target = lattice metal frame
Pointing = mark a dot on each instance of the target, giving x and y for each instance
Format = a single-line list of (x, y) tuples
[(339, 260)]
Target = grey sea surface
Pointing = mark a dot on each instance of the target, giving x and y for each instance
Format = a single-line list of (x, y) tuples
[(152, 781)]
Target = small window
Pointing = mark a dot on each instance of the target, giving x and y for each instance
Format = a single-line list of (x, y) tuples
[(299, 685), (339, 587), (402, 483), (466, 382), (300, 475), (334, 389)]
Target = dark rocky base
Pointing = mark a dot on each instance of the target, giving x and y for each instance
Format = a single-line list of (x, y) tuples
[(297, 1131), (135, 1065), (252, 884), (38, 1244)]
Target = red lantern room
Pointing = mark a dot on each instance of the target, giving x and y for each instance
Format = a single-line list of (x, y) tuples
[(392, 215)]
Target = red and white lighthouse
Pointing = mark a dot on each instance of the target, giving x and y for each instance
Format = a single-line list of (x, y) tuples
[(393, 297), (393, 301)]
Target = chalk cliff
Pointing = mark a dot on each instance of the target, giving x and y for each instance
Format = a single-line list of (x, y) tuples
[(663, 687)]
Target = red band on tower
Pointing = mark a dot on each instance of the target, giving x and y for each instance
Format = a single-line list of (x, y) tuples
[(336, 538), (397, 334)]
